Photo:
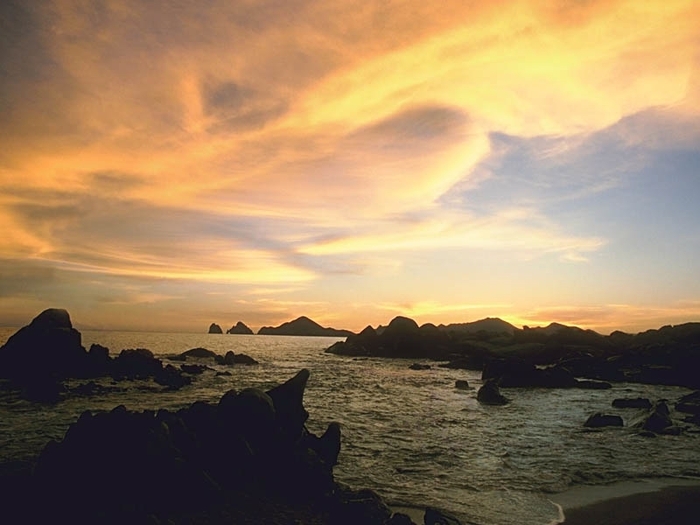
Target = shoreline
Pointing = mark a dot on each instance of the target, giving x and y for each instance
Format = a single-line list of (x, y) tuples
[(665, 501)]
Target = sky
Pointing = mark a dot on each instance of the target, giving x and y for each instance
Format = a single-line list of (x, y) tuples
[(169, 164)]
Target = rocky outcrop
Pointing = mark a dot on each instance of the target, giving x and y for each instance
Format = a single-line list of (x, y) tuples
[(246, 459), (239, 328), (231, 359), (401, 338), (636, 402), (490, 394), (215, 329), (519, 373), (48, 351), (462, 384), (599, 420), (303, 326)]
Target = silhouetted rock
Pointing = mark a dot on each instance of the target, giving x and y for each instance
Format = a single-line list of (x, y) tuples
[(198, 353), (303, 326), (419, 366), (637, 402), (599, 420), (659, 419), (231, 359), (48, 347), (247, 459), (239, 328), (462, 384), (490, 394), (215, 329)]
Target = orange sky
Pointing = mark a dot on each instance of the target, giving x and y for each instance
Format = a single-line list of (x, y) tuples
[(167, 165)]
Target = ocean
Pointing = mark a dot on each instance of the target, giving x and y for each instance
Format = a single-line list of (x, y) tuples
[(408, 434)]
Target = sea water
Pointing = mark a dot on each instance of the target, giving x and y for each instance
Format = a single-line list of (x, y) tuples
[(409, 435)]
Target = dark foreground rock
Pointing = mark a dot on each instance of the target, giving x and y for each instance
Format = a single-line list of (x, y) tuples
[(246, 459)]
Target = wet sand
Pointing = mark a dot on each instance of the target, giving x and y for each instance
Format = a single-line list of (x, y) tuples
[(671, 505)]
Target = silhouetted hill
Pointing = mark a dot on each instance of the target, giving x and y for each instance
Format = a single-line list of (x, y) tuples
[(239, 328), (305, 327), (489, 324), (215, 329)]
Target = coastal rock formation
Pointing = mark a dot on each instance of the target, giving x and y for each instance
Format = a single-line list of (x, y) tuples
[(599, 420), (239, 328), (231, 359), (247, 459), (490, 394), (215, 329), (462, 384), (303, 326), (401, 338), (48, 351), (637, 402)]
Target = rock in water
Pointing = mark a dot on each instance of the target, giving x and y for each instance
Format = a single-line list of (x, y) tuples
[(599, 420), (490, 394), (215, 329), (49, 346)]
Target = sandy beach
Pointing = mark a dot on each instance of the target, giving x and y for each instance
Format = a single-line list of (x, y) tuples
[(666, 505)]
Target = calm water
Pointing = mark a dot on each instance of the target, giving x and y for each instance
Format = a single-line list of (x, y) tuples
[(410, 435)]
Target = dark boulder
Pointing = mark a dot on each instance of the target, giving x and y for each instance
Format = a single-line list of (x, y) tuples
[(231, 359), (215, 329), (136, 363), (48, 347), (490, 394), (637, 402), (198, 353), (599, 420), (462, 384), (659, 419), (419, 366)]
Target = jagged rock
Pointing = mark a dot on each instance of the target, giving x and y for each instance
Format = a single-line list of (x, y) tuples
[(462, 384), (599, 420), (215, 329), (239, 461), (637, 402), (288, 399), (490, 394)]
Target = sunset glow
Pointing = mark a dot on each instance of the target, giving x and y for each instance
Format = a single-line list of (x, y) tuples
[(165, 166)]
